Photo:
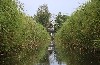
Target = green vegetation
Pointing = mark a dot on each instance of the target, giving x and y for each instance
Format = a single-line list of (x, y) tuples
[(78, 40), (59, 20), (22, 40), (43, 15)]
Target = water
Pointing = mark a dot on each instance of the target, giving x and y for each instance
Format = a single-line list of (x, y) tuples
[(51, 56), (53, 59)]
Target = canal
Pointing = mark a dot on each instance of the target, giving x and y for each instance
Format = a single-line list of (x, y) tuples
[(51, 56), (70, 55)]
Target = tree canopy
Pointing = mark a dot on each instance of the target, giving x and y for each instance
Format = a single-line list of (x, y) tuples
[(79, 36), (43, 15), (22, 40)]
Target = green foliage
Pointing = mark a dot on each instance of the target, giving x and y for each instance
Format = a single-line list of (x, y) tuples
[(77, 37), (60, 19), (43, 15), (22, 40)]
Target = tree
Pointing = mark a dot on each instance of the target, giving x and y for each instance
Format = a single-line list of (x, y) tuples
[(22, 40), (60, 19), (43, 15), (79, 36)]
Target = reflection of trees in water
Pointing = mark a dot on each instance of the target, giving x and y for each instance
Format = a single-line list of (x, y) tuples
[(45, 60), (75, 57)]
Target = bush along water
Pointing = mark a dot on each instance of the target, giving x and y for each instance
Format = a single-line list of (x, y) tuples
[(22, 40), (78, 40)]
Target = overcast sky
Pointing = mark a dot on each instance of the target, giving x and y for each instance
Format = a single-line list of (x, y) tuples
[(55, 6)]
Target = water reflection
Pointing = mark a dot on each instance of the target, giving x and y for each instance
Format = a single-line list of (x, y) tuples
[(77, 57), (53, 59)]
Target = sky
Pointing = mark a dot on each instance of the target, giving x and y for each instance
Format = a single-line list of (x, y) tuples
[(54, 6)]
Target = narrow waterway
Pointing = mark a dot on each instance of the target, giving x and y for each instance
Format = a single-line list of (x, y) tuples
[(52, 51), (52, 56), (53, 60)]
